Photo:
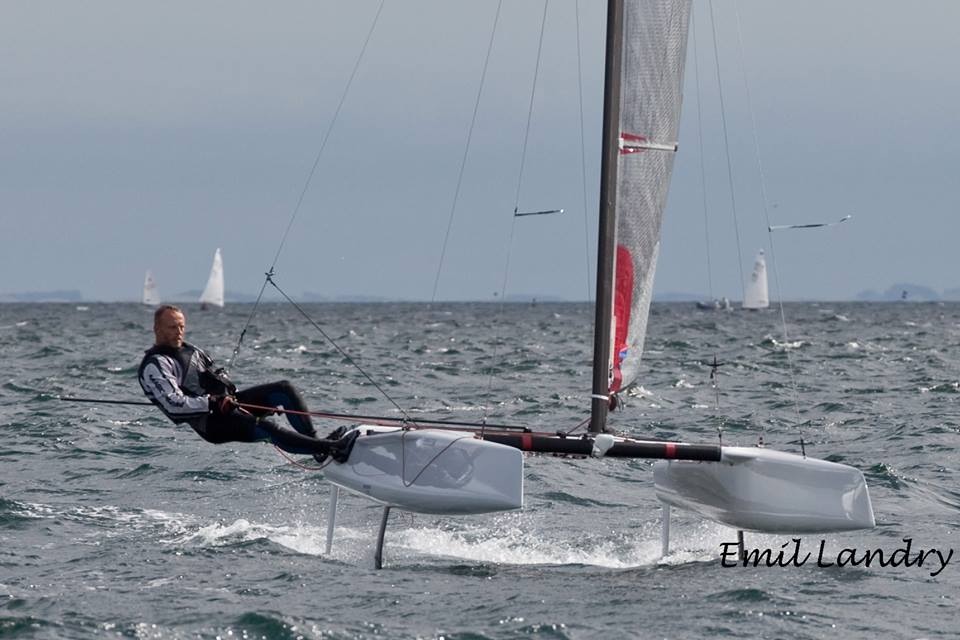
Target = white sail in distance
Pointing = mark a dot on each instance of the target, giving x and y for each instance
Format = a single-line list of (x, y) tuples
[(213, 292), (755, 296), (150, 295)]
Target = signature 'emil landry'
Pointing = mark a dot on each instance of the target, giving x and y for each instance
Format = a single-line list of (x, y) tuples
[(899, 557)]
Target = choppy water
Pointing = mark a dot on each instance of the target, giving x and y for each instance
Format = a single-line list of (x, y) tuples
[(114, 522)]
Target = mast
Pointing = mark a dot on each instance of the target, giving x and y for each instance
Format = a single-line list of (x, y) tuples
[(607, 234)]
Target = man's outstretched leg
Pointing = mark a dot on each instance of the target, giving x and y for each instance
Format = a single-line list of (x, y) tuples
[(279, 394), (292, 442), (241, 426)]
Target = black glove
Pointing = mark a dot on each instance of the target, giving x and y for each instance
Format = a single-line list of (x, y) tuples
[(221, 405)]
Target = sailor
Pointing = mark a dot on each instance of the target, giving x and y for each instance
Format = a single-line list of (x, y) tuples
[(183, 382)]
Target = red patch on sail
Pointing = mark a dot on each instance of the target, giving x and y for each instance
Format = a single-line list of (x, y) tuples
[(622, 303), (630, 143)]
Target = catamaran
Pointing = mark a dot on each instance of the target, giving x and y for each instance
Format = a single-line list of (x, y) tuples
[(456, 468)]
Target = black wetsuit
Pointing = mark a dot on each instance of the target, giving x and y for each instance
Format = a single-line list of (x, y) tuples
[(181, 381)]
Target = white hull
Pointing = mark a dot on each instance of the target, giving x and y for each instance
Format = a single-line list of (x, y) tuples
[(431, 471), (757, 489)]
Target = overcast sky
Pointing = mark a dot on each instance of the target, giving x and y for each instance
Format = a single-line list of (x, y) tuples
[(139, 136)]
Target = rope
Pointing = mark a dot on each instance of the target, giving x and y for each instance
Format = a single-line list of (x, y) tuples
[(583, 158), (714, 377), (243, 332), (407, 423), (306, 186), (703, 170), (533, 91), (579, 425), (337, 347), (726, 147), (300, 465), (403, 459), (773, 259), (377, 420), (516, 207), (466, 150)]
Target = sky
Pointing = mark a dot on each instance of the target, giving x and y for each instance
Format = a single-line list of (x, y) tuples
[(139, 136)]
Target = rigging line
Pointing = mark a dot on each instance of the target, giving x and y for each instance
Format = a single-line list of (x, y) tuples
[(300, 465), (583, 157), (516, 208), (766, 214), (703, 170), (337, 347), (346, 417), (380, 420), (403, 459), (466, 151), (579, 425), (101, 400), (306, 186), (726, 145), (714, 370), (326, 135), (246, 325), (533, 91)]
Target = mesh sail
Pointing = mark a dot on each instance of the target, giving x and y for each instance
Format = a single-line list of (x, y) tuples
[(654, 53)]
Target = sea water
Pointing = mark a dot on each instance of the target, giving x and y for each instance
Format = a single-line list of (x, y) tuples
[(116, 523)]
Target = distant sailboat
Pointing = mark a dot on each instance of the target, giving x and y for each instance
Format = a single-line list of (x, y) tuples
[(756, 296), (150, 295), (213, 292), (717, 304)]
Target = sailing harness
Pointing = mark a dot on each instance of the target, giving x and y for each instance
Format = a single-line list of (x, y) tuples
[(195, 376)]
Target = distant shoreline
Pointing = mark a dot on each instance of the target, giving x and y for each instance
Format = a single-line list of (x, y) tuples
[(898, 292)]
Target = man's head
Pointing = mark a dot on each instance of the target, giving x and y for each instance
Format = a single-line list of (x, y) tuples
[(169, 325)]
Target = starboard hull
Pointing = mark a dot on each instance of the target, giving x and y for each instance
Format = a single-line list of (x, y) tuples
[(756, 489)]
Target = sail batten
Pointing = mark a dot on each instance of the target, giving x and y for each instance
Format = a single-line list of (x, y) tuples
[(654, 54)]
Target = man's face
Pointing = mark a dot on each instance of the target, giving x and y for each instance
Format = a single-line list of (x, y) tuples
[(169, 329)]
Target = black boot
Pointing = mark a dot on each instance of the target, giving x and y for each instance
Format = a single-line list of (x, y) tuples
[(336, 434), (340, 449)]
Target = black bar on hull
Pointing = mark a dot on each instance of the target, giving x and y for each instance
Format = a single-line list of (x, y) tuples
[(651, 449)]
